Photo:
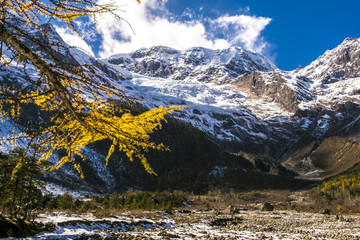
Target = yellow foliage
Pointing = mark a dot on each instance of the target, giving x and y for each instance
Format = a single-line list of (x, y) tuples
[(339, 208), (128, 133), (73, 94), (348, 182)]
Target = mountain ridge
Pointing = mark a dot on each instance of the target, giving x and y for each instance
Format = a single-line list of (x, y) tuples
[(275, 101), (240, 107), (202, 64)]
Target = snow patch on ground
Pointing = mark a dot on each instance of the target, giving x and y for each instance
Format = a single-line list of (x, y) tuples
[(204, 225)]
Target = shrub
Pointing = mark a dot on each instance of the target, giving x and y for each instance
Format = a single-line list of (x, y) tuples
[(347, 183), (65, 202)]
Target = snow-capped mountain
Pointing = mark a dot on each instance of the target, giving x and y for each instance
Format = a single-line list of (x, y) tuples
[(257, 108), (243, 117), (201, 64), (335, 65)]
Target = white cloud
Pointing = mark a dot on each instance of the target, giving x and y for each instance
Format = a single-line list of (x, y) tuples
[(151, 24), (73, 39), (243, 30)]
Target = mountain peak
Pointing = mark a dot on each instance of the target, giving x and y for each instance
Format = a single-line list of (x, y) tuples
[(349, 39), (197, 63), (340, 63)]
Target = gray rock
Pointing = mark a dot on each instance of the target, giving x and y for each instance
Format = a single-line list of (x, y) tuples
[(231, 210), (325, 211), (267, 207)]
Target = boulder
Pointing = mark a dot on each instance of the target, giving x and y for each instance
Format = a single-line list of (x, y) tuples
[(325, 211), (267, 207)]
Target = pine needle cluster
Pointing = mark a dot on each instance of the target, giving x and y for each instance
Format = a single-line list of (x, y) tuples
[(74, 94)]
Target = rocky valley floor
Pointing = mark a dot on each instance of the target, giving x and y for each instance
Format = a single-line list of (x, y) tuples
[(193, 224)]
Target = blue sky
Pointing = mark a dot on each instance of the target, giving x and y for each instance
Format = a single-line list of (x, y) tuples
[(290, 33), (299, 32)]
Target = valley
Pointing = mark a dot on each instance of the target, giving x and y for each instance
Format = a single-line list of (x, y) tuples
[(211, 216), (204, 225), (247, 134)]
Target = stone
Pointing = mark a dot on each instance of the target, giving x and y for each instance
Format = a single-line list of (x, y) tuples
[(231, 210), (267, 207), (325, 211)]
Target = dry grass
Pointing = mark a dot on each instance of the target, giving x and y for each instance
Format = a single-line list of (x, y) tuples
[(301, 201)]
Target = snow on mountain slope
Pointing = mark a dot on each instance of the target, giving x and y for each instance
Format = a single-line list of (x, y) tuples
[(331, 94), (229, 116), (330, 80), (341, 63), (205, 65), (267, 93), (209, 107), (334, 77)]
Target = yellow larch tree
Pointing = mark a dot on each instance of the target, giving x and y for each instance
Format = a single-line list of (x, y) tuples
[(74, 94)]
